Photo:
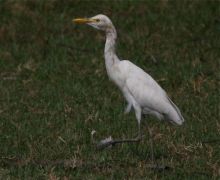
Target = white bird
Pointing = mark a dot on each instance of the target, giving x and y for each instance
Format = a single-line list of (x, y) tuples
[(140, 90)]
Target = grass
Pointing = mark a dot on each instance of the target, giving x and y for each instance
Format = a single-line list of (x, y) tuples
[(54, 89)]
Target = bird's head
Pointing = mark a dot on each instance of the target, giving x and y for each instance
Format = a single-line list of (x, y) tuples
[(100, 22)]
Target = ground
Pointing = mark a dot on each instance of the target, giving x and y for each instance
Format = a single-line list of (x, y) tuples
[(54, 89)]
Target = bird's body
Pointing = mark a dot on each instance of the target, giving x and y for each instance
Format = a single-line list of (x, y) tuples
[(140, 90)]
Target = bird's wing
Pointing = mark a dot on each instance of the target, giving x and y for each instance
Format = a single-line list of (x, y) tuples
[(148, 94), (145, 89)]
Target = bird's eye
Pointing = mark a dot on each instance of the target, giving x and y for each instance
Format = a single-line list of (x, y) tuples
[(97, 20)]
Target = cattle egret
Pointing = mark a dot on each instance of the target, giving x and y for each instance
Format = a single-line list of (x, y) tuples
[(140, 90)]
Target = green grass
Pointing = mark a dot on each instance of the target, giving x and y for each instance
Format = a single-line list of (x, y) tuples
[(54, 89)]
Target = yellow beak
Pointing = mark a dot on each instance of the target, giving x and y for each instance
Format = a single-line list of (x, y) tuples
[(83, 20)]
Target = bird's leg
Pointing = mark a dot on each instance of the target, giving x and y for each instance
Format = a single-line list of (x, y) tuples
[(151, 145), (155, 165), (128, 108), (139, 136)]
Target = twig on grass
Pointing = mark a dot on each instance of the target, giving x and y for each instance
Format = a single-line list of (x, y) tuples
[(211, 141)]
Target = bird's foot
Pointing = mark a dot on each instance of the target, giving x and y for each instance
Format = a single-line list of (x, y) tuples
[(159, 167), (139, 137)]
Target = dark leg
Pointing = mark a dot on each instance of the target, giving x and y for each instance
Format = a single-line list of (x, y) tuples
[(151, 145), (155, 165)]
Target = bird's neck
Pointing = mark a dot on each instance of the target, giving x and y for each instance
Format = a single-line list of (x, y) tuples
[(110, 56)]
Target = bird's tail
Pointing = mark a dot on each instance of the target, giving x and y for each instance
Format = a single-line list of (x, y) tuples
[(180, 119)]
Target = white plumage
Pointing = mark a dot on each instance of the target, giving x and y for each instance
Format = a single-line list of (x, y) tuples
[(140, 90)]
